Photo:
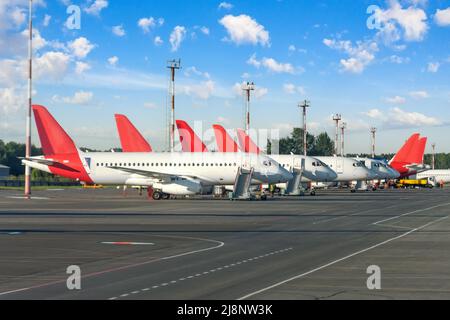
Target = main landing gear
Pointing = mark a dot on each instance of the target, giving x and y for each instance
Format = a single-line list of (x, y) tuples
[(158, 195)]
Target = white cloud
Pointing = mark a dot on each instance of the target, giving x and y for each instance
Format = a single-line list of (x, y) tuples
[(113, 61), (203, 90), (419, 94), (442, 17), (193, 70), (81, 67), (96, 7), (412, 21), (176, 37), (396, 100), (146, 24), (18, 16), (374, 114), (158, 41), (38, 41), (244, 29), (52, 65), (398, 60), (119, 31), (433, 67), (291, 88), (225, 5), (12, 100), (46, 21), (401, 118), (259, 92), (81, 47), (271, 65), (360, 56), (205, 30), (80, 98)]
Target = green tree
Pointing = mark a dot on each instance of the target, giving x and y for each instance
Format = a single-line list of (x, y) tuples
[(323, 145)]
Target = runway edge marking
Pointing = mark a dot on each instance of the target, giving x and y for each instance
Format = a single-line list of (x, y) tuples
[(339, 260)]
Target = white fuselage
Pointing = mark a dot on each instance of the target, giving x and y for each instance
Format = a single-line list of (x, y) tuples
[(347, 169), (312, 168), (381, 170), (205, 168), (440, 175)]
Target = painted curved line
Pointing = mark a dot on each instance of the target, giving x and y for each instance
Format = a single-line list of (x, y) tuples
[(218, 245)]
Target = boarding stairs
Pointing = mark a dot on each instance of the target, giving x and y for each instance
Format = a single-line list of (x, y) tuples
[(242, 184), (294, 187)]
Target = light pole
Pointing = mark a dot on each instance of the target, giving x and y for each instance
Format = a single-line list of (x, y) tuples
[(337, 118), (248, 88), (433, 165), (343, 127), (306, 104), (27, 190), (374, 132), (172, 65)]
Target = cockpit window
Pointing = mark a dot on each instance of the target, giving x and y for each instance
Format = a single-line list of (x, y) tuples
[(267, 163)]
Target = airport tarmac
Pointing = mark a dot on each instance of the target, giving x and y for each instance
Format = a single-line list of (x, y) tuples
[(284, 248)]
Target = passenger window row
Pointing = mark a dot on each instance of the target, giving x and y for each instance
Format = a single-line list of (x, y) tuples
[(165, 164)]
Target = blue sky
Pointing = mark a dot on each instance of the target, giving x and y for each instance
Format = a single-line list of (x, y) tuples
[(389, 68)]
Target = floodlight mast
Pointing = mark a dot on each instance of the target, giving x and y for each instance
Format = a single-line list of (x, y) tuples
[(172, 65), (337, 118), (248, 88), (304, 105)]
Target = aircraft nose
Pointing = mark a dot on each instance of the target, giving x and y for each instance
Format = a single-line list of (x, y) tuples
[(332, 175)]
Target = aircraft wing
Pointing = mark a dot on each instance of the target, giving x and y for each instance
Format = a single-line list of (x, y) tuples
[(151, 174), (47, 162)]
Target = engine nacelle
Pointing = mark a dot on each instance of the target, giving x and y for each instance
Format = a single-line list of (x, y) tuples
[(180, 188)]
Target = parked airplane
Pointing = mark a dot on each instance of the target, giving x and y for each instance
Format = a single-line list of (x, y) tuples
[(345, 169), (312, 168), (381, 169), (409, 159), (165, 173)]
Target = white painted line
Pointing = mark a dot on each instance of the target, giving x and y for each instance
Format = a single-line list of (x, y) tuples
[(339, 260), (412, 212), (206, 272), (122, 243), (13, 291), (220, 244)]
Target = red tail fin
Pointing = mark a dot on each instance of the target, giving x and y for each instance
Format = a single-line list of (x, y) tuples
[(403, 155), (418, 151), (224, 142), (246, 143), (54, 140), (190, 142), (130, 138)]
